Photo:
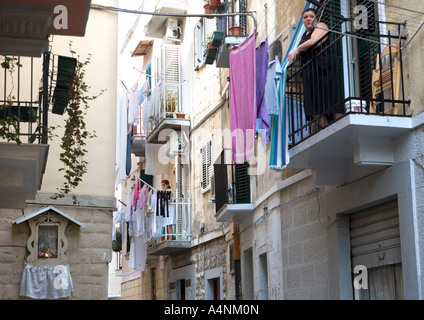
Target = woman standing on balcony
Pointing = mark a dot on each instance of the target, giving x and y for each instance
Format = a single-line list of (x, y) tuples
[(322, 84), (169, 222)]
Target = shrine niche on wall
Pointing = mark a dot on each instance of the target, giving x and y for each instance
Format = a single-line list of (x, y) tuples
[(46, 273), (47, 243)]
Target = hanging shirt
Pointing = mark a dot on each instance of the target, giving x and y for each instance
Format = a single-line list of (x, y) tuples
[(163, 198), (121, 137), (271, 87), (143, 196), (243, 99), (133, 106), (262, 53)]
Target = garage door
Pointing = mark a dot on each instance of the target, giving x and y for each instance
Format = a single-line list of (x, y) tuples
[(375, 236)]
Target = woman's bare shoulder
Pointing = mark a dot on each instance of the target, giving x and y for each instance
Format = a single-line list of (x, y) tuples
[(321, 25)]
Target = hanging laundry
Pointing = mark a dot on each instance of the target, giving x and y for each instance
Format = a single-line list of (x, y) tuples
[(243, 99), (138, 220), (163, 198), (128, 155), (121, 137), (271, 87), (143, 196), (141, 94), (138, 254), (133, 106), (136, 192), (145, 115), (262, 53)]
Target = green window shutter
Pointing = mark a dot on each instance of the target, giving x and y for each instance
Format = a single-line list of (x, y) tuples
[(145, 177)]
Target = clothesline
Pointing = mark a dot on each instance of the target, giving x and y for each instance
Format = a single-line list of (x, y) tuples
[(147, 184)]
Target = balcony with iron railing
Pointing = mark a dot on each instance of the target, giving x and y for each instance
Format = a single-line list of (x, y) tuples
[(230, 31), (344, 115), (179, 239), (231, 185), (165, 112), (23, 128)]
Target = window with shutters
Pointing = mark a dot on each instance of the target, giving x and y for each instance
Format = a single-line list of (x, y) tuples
[(203, 29), (171, 74), (206, 154)]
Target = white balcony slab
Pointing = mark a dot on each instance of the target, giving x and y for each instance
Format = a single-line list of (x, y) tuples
[(355, 140), (234, 212), (22, 168)]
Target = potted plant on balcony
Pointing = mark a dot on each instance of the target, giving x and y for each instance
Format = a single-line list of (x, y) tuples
[(171, 103), (214, 4), (180, 115), (236, 31), (210, 6)]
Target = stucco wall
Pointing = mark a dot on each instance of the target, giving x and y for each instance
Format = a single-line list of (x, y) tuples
[(100, 75)]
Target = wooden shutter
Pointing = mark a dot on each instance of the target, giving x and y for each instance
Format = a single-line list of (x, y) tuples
[(207, 168), (221, 182), (171, 63), (197, 43), (171, 69), (242, 179), (375, 236)]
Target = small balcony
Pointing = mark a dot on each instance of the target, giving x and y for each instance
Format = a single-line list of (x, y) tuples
[(230, 31), (23, 133), (165, 113), (343, 119), (232, 191), (169, 243)]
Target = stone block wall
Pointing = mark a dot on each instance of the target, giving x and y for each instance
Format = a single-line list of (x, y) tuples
[(208, 256)]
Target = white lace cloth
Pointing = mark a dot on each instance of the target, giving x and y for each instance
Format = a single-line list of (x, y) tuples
[(46, 282)]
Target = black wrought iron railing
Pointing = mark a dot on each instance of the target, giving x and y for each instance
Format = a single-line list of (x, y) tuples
[(325, 86), (24, 100)]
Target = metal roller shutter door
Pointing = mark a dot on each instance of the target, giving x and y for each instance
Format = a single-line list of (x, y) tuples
[(375, 236)]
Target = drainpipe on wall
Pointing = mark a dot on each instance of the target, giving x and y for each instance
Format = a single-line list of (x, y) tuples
[(237, 263)]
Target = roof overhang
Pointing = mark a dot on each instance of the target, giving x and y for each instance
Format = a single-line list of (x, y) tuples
[(35, 213), (142, 48), (26, 24)]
